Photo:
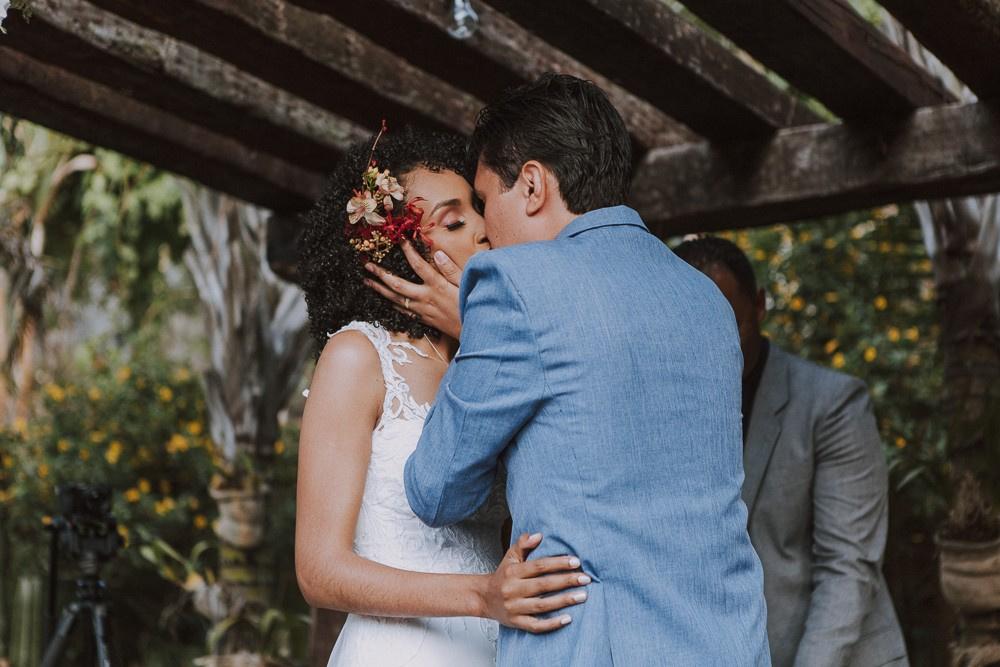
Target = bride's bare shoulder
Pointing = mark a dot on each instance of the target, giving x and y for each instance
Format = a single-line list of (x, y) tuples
[(348, 359)]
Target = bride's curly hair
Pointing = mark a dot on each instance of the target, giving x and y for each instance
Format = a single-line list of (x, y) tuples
[(331, 272)]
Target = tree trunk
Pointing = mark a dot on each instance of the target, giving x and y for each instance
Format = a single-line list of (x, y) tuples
[(258, 344), (962, 237)]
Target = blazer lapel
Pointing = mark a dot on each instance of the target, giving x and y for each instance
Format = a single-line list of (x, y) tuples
[(765, 424)]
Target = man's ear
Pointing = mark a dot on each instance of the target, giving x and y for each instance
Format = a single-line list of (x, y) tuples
[(535, 184)]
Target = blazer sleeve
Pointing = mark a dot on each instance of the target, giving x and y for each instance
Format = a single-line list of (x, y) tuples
[(850, 520), (493, 387)]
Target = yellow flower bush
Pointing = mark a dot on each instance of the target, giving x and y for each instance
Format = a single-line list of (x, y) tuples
[(55, 393), (109, 426)]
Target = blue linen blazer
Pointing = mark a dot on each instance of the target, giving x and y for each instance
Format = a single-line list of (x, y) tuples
[(604, 373)]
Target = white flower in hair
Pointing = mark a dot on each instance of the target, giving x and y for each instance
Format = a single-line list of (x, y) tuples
[(363, 205), (390, 189)]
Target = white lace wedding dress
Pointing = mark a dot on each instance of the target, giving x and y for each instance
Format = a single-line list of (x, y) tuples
[(389, 533)]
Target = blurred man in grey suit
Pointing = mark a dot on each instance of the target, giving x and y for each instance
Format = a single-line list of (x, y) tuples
[(816, 489)]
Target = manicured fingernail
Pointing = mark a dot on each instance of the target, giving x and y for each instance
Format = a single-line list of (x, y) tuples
[(583, 579), (369, 267), (574, 562), (536, 536), (579, 597), (566, 620), (440, 257)]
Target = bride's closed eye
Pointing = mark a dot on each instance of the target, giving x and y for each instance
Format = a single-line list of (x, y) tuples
[(455, 226)]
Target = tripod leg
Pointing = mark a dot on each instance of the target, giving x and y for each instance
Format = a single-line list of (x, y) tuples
[(99, 613), (58, 642)]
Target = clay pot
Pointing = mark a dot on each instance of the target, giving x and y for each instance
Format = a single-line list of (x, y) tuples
[(970, 575), (241, 516)]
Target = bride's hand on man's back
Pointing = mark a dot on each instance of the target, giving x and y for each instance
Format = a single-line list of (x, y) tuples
[(520, 589)]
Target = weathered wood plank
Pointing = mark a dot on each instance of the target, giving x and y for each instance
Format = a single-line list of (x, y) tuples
[(943, 151), (964, 35), (652, 52), (827, 50), (92, 112), (173, 76), (501, 53), (309, 55)]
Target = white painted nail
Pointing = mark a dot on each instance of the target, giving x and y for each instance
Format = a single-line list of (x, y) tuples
[(583, 579), (566, 620), (536, 536), (574, 562), (579, 597)]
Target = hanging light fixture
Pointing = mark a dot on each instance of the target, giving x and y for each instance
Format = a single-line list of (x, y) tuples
[(464, 20)]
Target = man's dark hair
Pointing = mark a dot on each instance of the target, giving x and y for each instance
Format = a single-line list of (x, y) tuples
[(708, 252), (567, 124), (330, 271)]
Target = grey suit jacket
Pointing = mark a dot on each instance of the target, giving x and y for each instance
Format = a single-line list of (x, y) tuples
[(816, 489)]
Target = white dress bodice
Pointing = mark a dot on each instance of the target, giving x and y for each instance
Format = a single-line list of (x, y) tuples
[(388, 532)]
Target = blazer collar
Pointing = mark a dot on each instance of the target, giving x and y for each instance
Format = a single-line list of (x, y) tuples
[(602, 217), (765, 423)]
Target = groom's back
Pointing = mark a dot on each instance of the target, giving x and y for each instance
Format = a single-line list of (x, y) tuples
[(634, 460)]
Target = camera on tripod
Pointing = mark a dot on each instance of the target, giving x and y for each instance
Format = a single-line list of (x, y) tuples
[(85, 525), (86, 529)]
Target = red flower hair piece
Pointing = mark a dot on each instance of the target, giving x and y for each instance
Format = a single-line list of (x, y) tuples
[(375, 223)]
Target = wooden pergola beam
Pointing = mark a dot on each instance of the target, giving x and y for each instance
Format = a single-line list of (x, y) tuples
[(964, 35), (311, 56), (655, 54), (829, 51), (501, 53), (67, 103), (806, 172), (181, 80)]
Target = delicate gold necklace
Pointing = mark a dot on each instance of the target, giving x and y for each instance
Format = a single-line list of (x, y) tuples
[(434, 347)]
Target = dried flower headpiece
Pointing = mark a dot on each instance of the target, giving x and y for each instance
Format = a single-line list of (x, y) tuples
[(375, 223)]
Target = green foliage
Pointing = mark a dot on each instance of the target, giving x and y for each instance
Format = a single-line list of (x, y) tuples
[(138, 427), (115, 409), (137, 423), (120, 221), (132, 216)]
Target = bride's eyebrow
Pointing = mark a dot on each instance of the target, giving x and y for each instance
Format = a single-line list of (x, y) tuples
[(445, 204)]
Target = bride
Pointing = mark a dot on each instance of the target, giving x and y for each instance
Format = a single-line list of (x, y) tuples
[(416, 595)]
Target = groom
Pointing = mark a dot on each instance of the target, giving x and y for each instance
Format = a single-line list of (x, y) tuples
[(604, 374)]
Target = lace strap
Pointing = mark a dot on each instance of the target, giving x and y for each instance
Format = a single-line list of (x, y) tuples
[(398, 401)]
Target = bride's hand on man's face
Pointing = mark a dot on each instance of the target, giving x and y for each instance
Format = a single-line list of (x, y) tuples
[(435, 302), (520, 589)]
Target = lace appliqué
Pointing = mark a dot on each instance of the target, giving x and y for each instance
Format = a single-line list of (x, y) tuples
[(398, 403)]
